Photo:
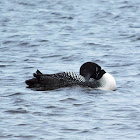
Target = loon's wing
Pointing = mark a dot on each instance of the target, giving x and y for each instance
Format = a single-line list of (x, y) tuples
[(53, 81), (66, 76)]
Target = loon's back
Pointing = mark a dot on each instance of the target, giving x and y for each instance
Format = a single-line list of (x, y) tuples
[(54, 81)]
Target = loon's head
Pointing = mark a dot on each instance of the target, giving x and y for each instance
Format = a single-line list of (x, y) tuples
[(91, 70)]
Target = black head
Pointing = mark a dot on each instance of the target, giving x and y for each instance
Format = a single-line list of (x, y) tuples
[(91, 70)]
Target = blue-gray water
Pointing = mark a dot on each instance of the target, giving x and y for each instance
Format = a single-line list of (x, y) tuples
[(60, 35)]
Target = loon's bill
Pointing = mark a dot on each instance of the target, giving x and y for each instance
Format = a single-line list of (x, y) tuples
[(91, 75)]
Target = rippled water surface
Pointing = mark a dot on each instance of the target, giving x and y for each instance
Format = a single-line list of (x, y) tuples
[(60, 35)]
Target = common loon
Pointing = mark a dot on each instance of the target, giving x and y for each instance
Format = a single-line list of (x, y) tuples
[(91, 75)]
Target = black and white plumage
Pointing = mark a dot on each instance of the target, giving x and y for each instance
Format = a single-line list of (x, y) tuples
[(91, 75), (54, 81)]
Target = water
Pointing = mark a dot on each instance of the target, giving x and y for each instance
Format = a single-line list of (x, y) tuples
[(55, 36)]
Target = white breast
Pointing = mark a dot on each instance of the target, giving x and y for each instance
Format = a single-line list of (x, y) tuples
[(107, 82)]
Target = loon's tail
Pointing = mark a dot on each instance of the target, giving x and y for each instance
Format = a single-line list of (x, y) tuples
[(34, 82)]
